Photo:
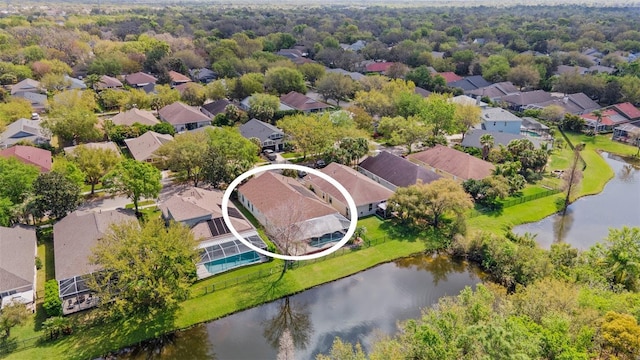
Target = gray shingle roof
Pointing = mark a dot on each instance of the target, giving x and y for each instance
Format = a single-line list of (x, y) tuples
[(472, 138), (143, 147), (133, 116), (75, 236), (398, 171), (179, 114), (23, 129), (258, 129), (17, 257), (498, 114)]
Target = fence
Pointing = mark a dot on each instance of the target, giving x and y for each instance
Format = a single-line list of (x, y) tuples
[(9, 346), (516, 201), (275, 269)]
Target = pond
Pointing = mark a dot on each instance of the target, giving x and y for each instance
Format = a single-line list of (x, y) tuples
[(588, 219), (356, 309)]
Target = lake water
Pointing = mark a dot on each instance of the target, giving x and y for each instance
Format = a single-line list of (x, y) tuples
[(588, 219), (356, 308)]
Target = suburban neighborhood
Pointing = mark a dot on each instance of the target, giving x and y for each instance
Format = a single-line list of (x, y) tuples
[(459, 133)]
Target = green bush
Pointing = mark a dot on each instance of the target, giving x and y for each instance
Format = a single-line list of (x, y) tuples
[(38, 263), (52, 303)]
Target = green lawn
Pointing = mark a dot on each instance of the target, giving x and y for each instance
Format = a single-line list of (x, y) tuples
[(602, 142), (87, 187), (141, 203), (291, 155)]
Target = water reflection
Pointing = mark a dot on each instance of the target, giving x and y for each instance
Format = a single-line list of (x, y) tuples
[(292, 317), (438, 265), (589, 218), (192, 343)]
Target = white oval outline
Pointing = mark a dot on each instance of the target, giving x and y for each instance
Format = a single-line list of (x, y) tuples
[(353, 210)]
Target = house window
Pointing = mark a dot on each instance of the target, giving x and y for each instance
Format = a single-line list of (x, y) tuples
[(330, 200)]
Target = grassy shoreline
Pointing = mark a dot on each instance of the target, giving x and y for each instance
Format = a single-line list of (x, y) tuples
[(95, 341)]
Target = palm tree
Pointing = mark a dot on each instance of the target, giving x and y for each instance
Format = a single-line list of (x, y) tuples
[(486, 141), (598, 115)]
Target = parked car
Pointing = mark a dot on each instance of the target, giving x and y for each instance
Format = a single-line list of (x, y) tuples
[(35, 116), (269, 154), (320, 164)]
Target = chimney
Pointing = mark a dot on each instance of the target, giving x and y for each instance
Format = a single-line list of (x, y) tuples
[(478, 100)]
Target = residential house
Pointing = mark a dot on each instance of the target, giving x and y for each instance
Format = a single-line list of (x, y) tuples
[(203, 75), (303, 103), (378, 67), (270, 136), (177, 78), (245, 105), (201, 211), (144, 146), (38, 101), (627, 110), (472, 138), (140, 79), (500, 120), (135, 115), (18, 251), (449, 76), (452, 163), (107, 82), (628, 133), (569, 69), (30, 155), (355, 47), (392, 171), (216, 107), (467, 100), (353, 75), (24, 130), (74, 83), (301, 223), (576, 104), (470, 83), (521, 101), (106, 145), (369, 196), (27, 85), (612, 116), (422, 92), (74, 238), (291, 54), (183, 117), (494, 91)]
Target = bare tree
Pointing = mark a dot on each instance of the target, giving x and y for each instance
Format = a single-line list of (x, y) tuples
[(286, 349), (286, 229), (572, 178), (292, 318)]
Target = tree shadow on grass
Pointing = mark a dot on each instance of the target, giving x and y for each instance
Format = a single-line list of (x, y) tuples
[(395, 230), (264, 290)]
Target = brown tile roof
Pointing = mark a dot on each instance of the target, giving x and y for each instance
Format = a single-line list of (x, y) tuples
[(17, 257), (108, 82), (176, 77), (139, 79), (143, 147), (528, 97), (627, 110), (270, 192), (75, 236), (133, 116), (30, 155), (179, 113), (216, 107), (495, 90), (361, 188), (302, 102), (396, 170), (453, 162), (106, 145), (196, 203)]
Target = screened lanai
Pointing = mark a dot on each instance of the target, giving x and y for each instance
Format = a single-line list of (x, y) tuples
[(228, 254), (75, 294)]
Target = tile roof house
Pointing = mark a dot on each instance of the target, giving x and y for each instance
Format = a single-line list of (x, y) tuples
[(353, 75), (627, 110), (108, 82), (73, 240), (245, 105), (183, 117), (24, 130), (468, 100), (453, 163), (393, 172), (495, 91), (177, 78), (140, 79), (500, 120), (422, 92), (378, 67), (18, 251), (472, 139), (523, 100), (201, 211), (144, 146), (291, 54), (450, 76), (74, 83), (612, 116), (284, 204), (470, 83), (628, 133), (133, 116), (366, 193), (270, 136), (27, 85), (106, 145), (215, 107), (302, 102), (30, 155)]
